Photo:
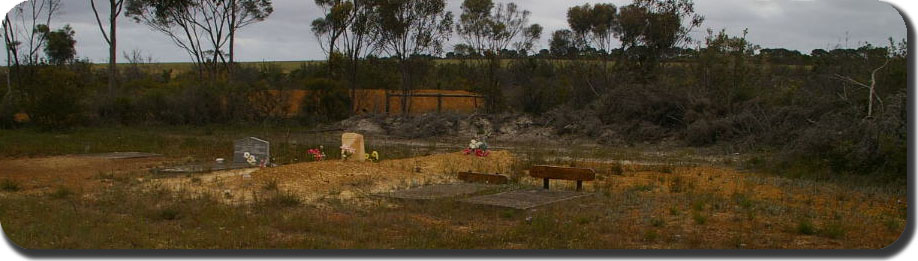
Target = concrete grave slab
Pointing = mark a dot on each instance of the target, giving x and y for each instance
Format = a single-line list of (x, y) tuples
[(525, 199), (122, 155), (486, 178), (203, 168), (439, 191)]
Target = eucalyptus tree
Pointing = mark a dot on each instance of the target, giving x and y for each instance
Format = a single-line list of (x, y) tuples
[(593, 28), (244, 13), (603, 25), (10, 43), (60, 44), (346, 29), (409, 30), (23, 31), (114, 10), (23, 42), (202, 28), (329, 28), (561, 44), (489, 29), (649, 29), (579, 19)]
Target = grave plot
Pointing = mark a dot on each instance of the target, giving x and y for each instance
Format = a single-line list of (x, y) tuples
[(525, 199), (248, 152), (439, 191), (203, 168), (349, 180), (534, 198), (252, 151), (121, 155)]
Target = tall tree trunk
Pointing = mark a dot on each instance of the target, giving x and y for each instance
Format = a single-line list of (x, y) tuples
[(112, 51), (494, 92), (232, 36), (406, 88)]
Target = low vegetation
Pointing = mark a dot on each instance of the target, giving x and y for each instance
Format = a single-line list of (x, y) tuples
[(649, 205)]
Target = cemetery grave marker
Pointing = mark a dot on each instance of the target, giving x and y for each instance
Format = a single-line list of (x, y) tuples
[(355, 142), (252, 151)]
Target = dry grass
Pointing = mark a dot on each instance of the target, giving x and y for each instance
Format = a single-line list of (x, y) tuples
[(329, 204)]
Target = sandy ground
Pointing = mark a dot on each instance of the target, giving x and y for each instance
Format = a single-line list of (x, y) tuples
[(75, 172), (657, 191), (340, 180)]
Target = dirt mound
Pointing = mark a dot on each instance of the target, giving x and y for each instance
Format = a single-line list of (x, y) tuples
[(503, 127)]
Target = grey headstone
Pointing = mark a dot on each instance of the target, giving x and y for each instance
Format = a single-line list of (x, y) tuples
[(256, 147)]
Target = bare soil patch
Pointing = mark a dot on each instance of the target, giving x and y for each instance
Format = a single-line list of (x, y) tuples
[(75, 172)]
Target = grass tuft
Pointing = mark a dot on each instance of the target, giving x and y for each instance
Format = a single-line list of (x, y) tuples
[(283, 200), (61, 193), (699, 218), (9, 185), (806, 227)]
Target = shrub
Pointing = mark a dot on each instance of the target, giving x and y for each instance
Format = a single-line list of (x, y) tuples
[(328, 100), (282, 200), (55, 98), (699, 218), (169, 214), (61, 193), (833, 231), (9, 185), (805, 227), (657, 221), (271, 185)]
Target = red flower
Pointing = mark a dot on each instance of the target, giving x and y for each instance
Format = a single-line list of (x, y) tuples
[(316, 154)]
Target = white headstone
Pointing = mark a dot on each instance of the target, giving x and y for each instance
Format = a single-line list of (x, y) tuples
[(355, 141)]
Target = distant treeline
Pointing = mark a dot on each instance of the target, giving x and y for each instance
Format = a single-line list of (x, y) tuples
[(826, 112)]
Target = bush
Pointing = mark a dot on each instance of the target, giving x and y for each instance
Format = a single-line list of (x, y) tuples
[(61, 193), (272, 185), (9, 185), (282, 200), (55, 97), (806, 227), (699, 218), (328, 100), (169, 214)]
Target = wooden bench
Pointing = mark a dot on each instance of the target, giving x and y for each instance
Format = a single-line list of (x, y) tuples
[(551, 172), (483, 178)]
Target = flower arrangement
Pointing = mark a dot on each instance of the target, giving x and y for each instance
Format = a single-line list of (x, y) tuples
[(347, 151), (479, 148), (317, 154), (249, 158), (373, 157)]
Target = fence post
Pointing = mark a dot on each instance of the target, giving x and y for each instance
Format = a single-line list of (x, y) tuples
[(439, 102), (387, 102)]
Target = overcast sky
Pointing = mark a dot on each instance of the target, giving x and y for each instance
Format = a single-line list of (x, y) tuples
[(793, 24)]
